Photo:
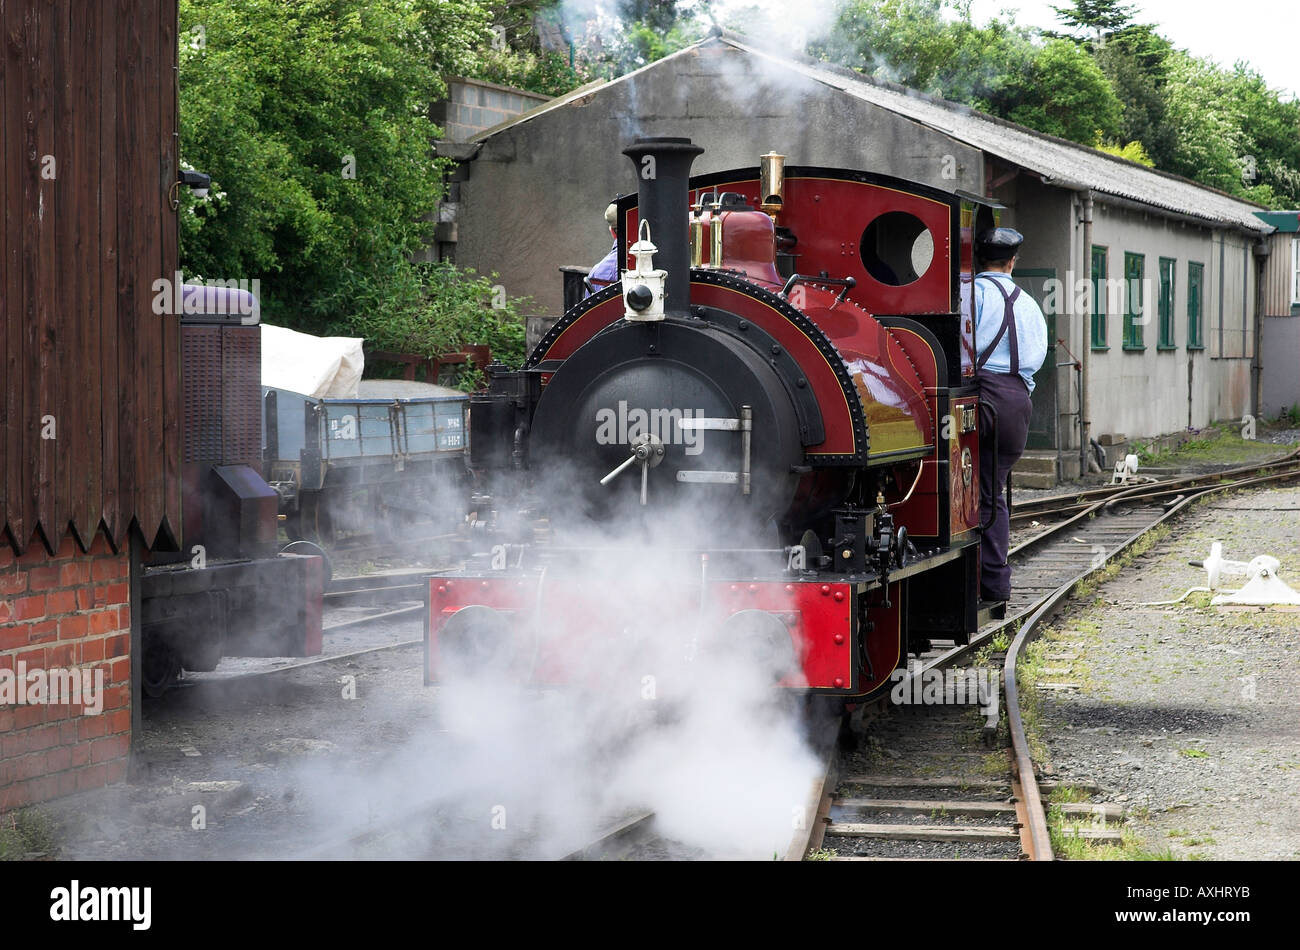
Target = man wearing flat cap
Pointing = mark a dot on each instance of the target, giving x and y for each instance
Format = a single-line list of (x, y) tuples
[(1010, 346), (606, 271)]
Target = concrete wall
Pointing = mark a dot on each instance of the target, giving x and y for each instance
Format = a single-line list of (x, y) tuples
[(1152, 391), (473, 105), (537, 191)]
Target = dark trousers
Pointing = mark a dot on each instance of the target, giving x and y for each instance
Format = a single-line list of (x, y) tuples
[(1009, 397)]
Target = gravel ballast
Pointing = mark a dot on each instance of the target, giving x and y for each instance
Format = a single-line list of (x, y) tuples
[(1188, 714)]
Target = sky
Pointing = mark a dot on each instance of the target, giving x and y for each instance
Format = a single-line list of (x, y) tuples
[(1262, 32)]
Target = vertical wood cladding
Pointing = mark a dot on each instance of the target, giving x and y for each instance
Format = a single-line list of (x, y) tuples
[(90, 406)]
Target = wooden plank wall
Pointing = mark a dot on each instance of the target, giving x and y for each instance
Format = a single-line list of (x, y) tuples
[(89, 139)]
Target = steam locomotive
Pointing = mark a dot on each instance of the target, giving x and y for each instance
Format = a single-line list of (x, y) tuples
[(762, 440)]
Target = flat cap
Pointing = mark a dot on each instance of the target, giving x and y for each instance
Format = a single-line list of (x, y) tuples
[(998, 244)]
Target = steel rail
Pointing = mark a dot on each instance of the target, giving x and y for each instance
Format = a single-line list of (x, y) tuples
[(1045, 609), (809, 832), (1056, 504), (1033, 614)]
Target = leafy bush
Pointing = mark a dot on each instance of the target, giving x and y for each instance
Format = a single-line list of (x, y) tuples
[(545, 72), (1133, 151), (430, 309)]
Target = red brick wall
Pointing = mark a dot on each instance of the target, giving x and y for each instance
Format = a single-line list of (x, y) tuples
[(70, 611)]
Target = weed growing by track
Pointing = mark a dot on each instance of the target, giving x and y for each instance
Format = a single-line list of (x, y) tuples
[(26, 833)]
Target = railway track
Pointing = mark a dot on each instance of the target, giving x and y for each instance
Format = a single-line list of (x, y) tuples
[(954, 801), (1066, 505), (957, 800)]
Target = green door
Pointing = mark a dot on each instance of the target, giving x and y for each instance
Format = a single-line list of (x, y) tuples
[(1044, 417)]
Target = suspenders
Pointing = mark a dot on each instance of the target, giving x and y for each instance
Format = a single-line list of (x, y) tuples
[(1008, 322)]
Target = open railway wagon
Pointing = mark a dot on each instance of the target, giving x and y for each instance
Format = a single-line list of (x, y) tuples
[(762, 442), (228, 591), (387, 460)]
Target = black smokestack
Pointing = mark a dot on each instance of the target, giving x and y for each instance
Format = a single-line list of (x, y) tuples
[(663, 172)]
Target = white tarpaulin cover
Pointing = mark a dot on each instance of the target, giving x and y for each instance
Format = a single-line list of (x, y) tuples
[(317, 366)]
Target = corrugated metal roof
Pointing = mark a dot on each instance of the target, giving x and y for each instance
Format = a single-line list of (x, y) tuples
[(1058, 161), (1288, 221)]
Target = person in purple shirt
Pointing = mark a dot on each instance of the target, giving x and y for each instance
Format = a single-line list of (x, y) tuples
[(606, 272)]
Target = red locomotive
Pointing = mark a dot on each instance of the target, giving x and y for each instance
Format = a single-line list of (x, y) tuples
[(768, 423)]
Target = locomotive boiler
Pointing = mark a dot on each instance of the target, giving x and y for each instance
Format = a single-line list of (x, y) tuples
[(762, 441)]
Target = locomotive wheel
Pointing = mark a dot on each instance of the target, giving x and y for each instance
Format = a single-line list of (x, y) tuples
[(310, 547), (311, 522), (160, 670), (477, 641)]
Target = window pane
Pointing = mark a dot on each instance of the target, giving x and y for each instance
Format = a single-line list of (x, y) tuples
[(1195, 279), (1166, 310), (1134, 304), (1098, 297)]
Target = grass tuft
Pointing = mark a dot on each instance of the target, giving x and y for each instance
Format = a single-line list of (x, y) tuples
[(26, 833)]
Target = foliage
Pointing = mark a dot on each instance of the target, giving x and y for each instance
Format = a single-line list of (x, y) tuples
[(1001, 67), (1067, 95), (428, 309), (281, 103), (545, 72), (1107, 79), (27, 832), (1133, 151), (1137, 74), (517, 55), (912, 43), (1099, 16), (1207, 124), (642, 32)]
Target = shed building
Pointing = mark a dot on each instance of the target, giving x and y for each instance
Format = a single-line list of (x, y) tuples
[(1171, 346)]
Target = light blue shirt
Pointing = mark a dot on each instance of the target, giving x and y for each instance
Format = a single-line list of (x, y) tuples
[(1031, 328)]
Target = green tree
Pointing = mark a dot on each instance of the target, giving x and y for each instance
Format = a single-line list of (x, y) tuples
[(1000, 67), (517, 56), (1270, 128), (1066, 94), (1232, 132), (311, 117), (912, 42), (1135, 62), (1099, 16)]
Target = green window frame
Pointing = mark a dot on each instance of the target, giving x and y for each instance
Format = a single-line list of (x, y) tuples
[(1168, 268), (1099, 267), (1195, 304), (1134, 278)]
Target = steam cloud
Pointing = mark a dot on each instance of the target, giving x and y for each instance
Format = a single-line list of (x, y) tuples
[(654, 714)]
